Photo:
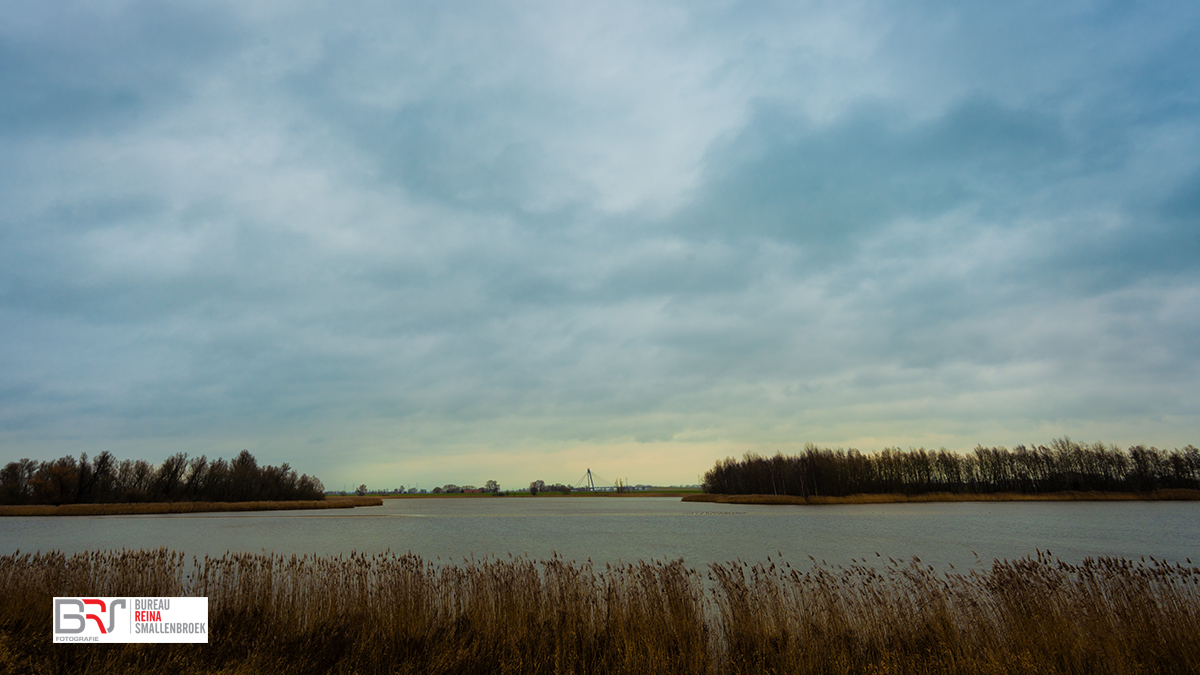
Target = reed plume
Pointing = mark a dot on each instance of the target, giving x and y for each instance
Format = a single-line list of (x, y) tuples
[(388, 613)]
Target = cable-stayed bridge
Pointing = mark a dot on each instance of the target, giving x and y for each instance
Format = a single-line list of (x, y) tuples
[(592, 482)]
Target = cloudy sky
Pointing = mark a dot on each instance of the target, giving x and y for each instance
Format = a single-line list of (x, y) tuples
[(432, 242)]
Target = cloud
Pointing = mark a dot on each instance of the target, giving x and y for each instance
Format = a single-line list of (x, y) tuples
[(103, 69), (822, 188), (381, 236)]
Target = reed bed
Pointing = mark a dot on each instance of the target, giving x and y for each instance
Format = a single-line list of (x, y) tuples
[(184, 507), (401, 614), (1178, 494)]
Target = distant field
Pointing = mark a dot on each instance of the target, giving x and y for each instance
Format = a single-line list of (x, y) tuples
[(1157, 495), (656, 492), (185, 507)]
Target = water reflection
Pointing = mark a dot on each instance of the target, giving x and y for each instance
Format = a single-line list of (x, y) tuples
[(628, 529)]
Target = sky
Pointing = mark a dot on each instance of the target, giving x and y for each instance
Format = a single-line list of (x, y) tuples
[(419, 243)]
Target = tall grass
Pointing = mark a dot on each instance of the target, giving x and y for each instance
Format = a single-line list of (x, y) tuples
[(401, 614)]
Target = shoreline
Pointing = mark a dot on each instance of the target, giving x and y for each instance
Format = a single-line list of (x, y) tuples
[(524, 494), (1156, 495), (152, 508)]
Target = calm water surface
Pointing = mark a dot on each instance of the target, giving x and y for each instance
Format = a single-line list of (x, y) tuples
[(646, 528)]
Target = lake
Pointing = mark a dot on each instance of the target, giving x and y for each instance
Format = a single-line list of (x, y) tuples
[(609, 530)]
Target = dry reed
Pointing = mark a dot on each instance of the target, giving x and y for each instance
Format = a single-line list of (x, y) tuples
[(183, 507), (401, 614)]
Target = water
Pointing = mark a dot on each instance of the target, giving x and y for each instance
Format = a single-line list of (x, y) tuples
[(610, 530)]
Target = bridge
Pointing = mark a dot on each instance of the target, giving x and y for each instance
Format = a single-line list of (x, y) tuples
[(591, 482)]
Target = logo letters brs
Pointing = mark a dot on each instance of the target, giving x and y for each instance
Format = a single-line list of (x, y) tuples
[(82, 617)]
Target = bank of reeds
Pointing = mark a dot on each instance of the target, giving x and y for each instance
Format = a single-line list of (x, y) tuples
[(893, 498), (183, 507), (401, 614)]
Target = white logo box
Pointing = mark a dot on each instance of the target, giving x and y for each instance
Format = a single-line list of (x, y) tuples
[(85, 620)]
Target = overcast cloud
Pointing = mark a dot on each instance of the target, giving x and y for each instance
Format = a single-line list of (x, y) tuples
[(444, 242)]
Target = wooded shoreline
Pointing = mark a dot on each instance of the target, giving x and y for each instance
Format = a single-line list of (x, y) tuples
[(148, 508), (1069, 496)]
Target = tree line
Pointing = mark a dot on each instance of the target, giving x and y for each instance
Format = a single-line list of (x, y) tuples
[(1063, 465), (491, 487), (540, 485), (103, 480)]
